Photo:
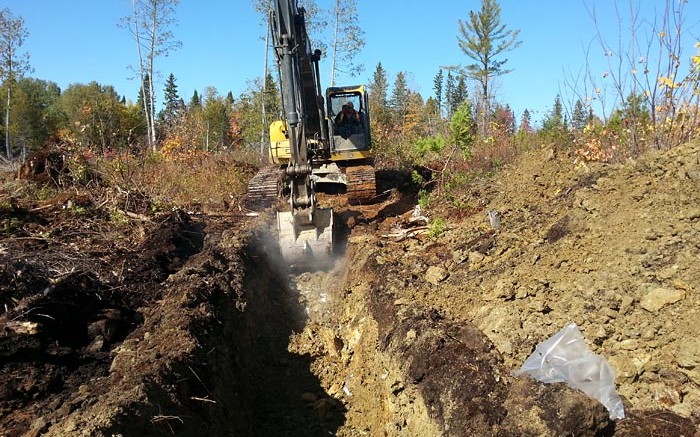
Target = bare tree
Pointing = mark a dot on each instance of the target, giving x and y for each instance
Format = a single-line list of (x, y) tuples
[(149, 24), (13, 65), (348, 38), (643, 67)]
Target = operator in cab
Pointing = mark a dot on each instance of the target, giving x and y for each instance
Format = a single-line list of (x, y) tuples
[(347, 119)]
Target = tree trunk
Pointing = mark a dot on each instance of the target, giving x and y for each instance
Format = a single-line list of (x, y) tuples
[(8, 146), (151, 97), (336, 10), (485, 106), (264, 97), (137, 37)]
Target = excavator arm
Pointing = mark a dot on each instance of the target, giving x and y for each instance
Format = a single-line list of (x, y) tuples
[(305, 233)]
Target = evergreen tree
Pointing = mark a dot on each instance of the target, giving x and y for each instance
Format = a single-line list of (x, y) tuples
[(195, 101), (437, 87), (555, 121), (399, 96), (378, 91), (460, 93), (579, 117), (484, 39), (525, 122), (463, 128), (449, 94), (172, 110), (144, 97), (272, 100)]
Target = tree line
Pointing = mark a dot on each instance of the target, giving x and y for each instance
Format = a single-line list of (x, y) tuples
[(460, 123), (96, 117)]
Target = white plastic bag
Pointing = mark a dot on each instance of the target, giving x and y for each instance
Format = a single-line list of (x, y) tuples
[(565, 357)]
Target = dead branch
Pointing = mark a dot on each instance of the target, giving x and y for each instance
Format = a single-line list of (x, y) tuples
[(195, 398)]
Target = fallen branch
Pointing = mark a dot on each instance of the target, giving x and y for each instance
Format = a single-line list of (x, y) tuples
[(195, 398), (41, 208), (135, 216), (402, 234), (26, 328)]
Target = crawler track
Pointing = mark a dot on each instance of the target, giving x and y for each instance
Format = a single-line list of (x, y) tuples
[(264, 188), (362, 186)]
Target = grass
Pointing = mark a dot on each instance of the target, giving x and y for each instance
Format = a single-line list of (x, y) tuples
[(203, 181)]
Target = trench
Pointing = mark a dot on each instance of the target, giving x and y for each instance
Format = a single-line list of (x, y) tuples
[(240, 346), (314, 355), (285, 397)]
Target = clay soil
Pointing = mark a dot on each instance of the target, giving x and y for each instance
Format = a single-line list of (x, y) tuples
[(120, 321)]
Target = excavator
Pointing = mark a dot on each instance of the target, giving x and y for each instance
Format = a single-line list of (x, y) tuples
[(308, 149)]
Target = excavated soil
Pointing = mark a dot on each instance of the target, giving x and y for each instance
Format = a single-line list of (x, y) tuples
[(177, 324)]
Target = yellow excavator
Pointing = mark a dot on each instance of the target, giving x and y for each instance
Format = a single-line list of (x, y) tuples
[(312, 146)]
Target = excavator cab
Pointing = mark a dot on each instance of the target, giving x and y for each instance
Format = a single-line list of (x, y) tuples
[(350, 138)]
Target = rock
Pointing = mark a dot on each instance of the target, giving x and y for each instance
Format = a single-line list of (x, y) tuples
[(522, 293), (435, 275), (687, 354), (626, 304), (629, 344), (504, 289), (625, 369), (39, 424), (476, 257), (660, 297), (324, 407), (693, 174)]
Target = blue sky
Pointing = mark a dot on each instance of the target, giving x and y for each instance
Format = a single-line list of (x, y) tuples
[(78, 41)]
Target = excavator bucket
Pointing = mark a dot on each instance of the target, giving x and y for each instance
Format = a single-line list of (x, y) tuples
[(306, 241)]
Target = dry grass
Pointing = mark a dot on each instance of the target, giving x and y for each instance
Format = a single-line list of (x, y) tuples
[(200, 182)]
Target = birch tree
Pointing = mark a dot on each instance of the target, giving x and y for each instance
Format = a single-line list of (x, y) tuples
[(13, 64), (149, 24), (348, 39)]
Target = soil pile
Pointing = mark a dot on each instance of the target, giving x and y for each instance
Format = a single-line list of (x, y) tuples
[(612, 248)]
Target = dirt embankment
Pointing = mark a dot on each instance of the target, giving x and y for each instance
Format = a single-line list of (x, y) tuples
[(613, 248), (192, 327)]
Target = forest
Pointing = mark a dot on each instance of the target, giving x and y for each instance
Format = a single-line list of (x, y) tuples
[(460, 131)]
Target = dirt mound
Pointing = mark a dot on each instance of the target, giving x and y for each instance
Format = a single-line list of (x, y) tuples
[(613, 248), (71, 287)]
